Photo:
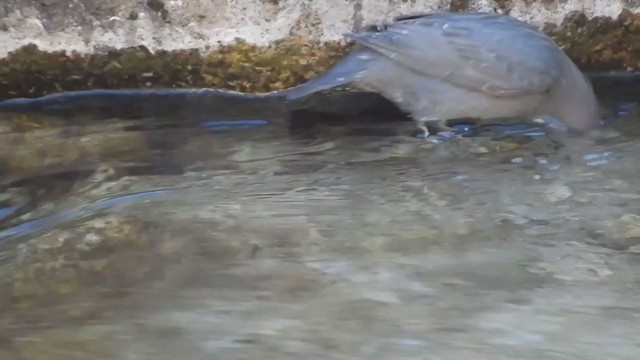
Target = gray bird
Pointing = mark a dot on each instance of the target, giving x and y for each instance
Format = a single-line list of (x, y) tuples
[(444, 66)]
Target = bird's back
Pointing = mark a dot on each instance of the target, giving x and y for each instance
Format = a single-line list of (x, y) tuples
[(495, 33), (494, 54)]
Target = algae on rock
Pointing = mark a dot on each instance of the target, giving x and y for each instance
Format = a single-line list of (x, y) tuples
[(69, 273), (283, 64), (600, 43)]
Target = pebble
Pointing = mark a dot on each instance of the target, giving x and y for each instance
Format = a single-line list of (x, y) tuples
[(557, 193), (626, 227)]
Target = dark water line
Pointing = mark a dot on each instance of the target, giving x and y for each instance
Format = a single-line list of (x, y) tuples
[(227, 125), (124, 94), (618, 76), (81, 212), (616, 86), (207, 104), (132, 104)]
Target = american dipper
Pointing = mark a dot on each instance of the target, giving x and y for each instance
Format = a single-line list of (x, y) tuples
[(444, 66)]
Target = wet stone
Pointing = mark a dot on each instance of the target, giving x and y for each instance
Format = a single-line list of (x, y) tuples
[(65, 343), (26, 151), (600, 43), (557, 192), (620, 234), (579, 262), (68, 273)]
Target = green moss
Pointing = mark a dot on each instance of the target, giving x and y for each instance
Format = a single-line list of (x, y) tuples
[(600, 43), (30, 72), (282, 64)]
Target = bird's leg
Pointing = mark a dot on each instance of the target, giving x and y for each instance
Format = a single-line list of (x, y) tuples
[(443, 130), (437, 126), (422, 125)]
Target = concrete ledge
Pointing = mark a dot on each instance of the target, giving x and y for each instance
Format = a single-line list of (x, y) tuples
[(253, 45), (89, 26)]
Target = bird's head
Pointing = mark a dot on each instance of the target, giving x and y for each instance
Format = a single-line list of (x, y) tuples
[(573, 101)]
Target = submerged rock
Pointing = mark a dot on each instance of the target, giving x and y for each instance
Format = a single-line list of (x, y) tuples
[(74, 273), (47, 145)]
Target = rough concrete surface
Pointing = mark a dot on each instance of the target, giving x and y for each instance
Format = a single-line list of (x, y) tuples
[(89, 26), (49, 46)]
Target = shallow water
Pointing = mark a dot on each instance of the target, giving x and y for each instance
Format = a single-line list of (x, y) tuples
[(165, 239)]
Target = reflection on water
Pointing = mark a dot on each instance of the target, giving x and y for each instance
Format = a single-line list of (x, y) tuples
[(165, 239)]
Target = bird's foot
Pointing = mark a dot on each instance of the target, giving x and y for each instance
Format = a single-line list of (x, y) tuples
[(426, 134), (441, 133), (424, 130)]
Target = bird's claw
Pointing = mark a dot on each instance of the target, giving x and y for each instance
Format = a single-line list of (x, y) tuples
[(438, 137)]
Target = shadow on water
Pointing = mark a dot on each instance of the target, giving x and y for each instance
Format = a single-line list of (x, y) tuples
[(156, 225)]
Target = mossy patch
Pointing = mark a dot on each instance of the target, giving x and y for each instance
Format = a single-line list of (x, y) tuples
[(600, 43), (31, 72), (282, 64)]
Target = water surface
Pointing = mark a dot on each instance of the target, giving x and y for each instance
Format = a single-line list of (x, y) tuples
[(168, 238)]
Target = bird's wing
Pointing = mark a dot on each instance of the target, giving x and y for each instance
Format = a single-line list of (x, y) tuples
[(500, 57)]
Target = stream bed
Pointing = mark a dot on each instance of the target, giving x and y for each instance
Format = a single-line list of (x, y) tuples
[(244, 238)]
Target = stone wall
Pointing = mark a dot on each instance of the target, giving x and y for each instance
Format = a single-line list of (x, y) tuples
[(88, 26), (253, 45)]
